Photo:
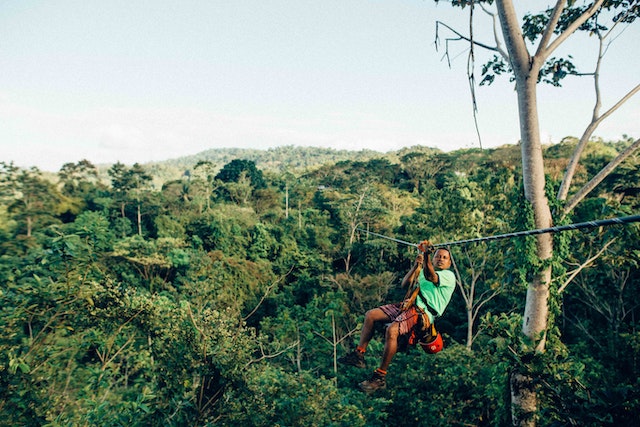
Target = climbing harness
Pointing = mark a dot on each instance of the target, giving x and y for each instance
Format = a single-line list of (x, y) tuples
[(424, 333)]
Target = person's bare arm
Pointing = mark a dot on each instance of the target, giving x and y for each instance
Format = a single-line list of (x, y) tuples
[(412, 274), (427, 265)]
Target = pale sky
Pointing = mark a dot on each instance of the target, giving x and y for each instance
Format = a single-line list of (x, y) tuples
[(143, 80)]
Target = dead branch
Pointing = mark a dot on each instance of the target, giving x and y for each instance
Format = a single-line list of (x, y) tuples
[(460, 37)]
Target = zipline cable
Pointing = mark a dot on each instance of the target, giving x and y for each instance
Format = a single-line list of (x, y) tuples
[(389, 238), (578, 226)]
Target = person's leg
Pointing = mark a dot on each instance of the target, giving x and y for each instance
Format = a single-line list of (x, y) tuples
[(356, 357), (390, 346), (370, 318), (378, 381)]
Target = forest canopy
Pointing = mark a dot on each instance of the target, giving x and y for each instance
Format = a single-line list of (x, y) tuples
[(207, 292)]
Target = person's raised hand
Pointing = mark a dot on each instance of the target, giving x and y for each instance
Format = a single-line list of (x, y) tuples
[(426, 247)]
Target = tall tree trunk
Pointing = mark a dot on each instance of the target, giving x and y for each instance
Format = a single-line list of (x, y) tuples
[(470, 322), (536, 310), (29, 225), (286, 201), (355, 220), (534, 325)]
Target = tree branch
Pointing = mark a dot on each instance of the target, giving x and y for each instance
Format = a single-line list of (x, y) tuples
[(270, 356), (584, 265), (596, 119), (483, 301), (570, 29), (347, 335), (551, 26), (582, 193), (266, 293), (462, 37), (494, 19)]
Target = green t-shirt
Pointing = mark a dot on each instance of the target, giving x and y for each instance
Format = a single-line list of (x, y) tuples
[(439, 296)]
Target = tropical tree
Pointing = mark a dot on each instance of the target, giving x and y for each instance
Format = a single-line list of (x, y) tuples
[(75, 177), (234, 170), (31, 199), (204, 181), (129, 184), (525, 51)]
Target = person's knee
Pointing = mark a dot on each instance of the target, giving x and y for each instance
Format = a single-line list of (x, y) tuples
[(372, 315), (393, 331)]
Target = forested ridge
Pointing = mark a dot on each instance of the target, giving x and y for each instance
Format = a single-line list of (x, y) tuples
[(273, 159), (222, 292)]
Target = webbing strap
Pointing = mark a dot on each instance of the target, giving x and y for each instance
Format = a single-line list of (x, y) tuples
[(431, 309)]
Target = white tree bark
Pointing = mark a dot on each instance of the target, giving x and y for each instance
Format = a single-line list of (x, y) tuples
[(526, 69)]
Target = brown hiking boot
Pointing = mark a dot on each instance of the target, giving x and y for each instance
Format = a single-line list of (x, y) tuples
[(376, 382), (355, 358)]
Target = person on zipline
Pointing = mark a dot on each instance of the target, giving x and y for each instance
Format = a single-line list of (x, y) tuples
[(435, 286)]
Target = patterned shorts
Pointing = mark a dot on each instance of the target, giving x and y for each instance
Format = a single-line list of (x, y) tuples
[(406, 319)]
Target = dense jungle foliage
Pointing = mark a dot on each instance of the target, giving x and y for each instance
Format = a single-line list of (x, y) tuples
[(224, 296)]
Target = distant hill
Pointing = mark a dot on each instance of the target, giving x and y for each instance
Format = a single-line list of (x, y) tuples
[(288, 157), (285, 157)]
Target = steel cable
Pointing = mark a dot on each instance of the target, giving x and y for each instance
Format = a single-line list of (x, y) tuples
[(560, 228)]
